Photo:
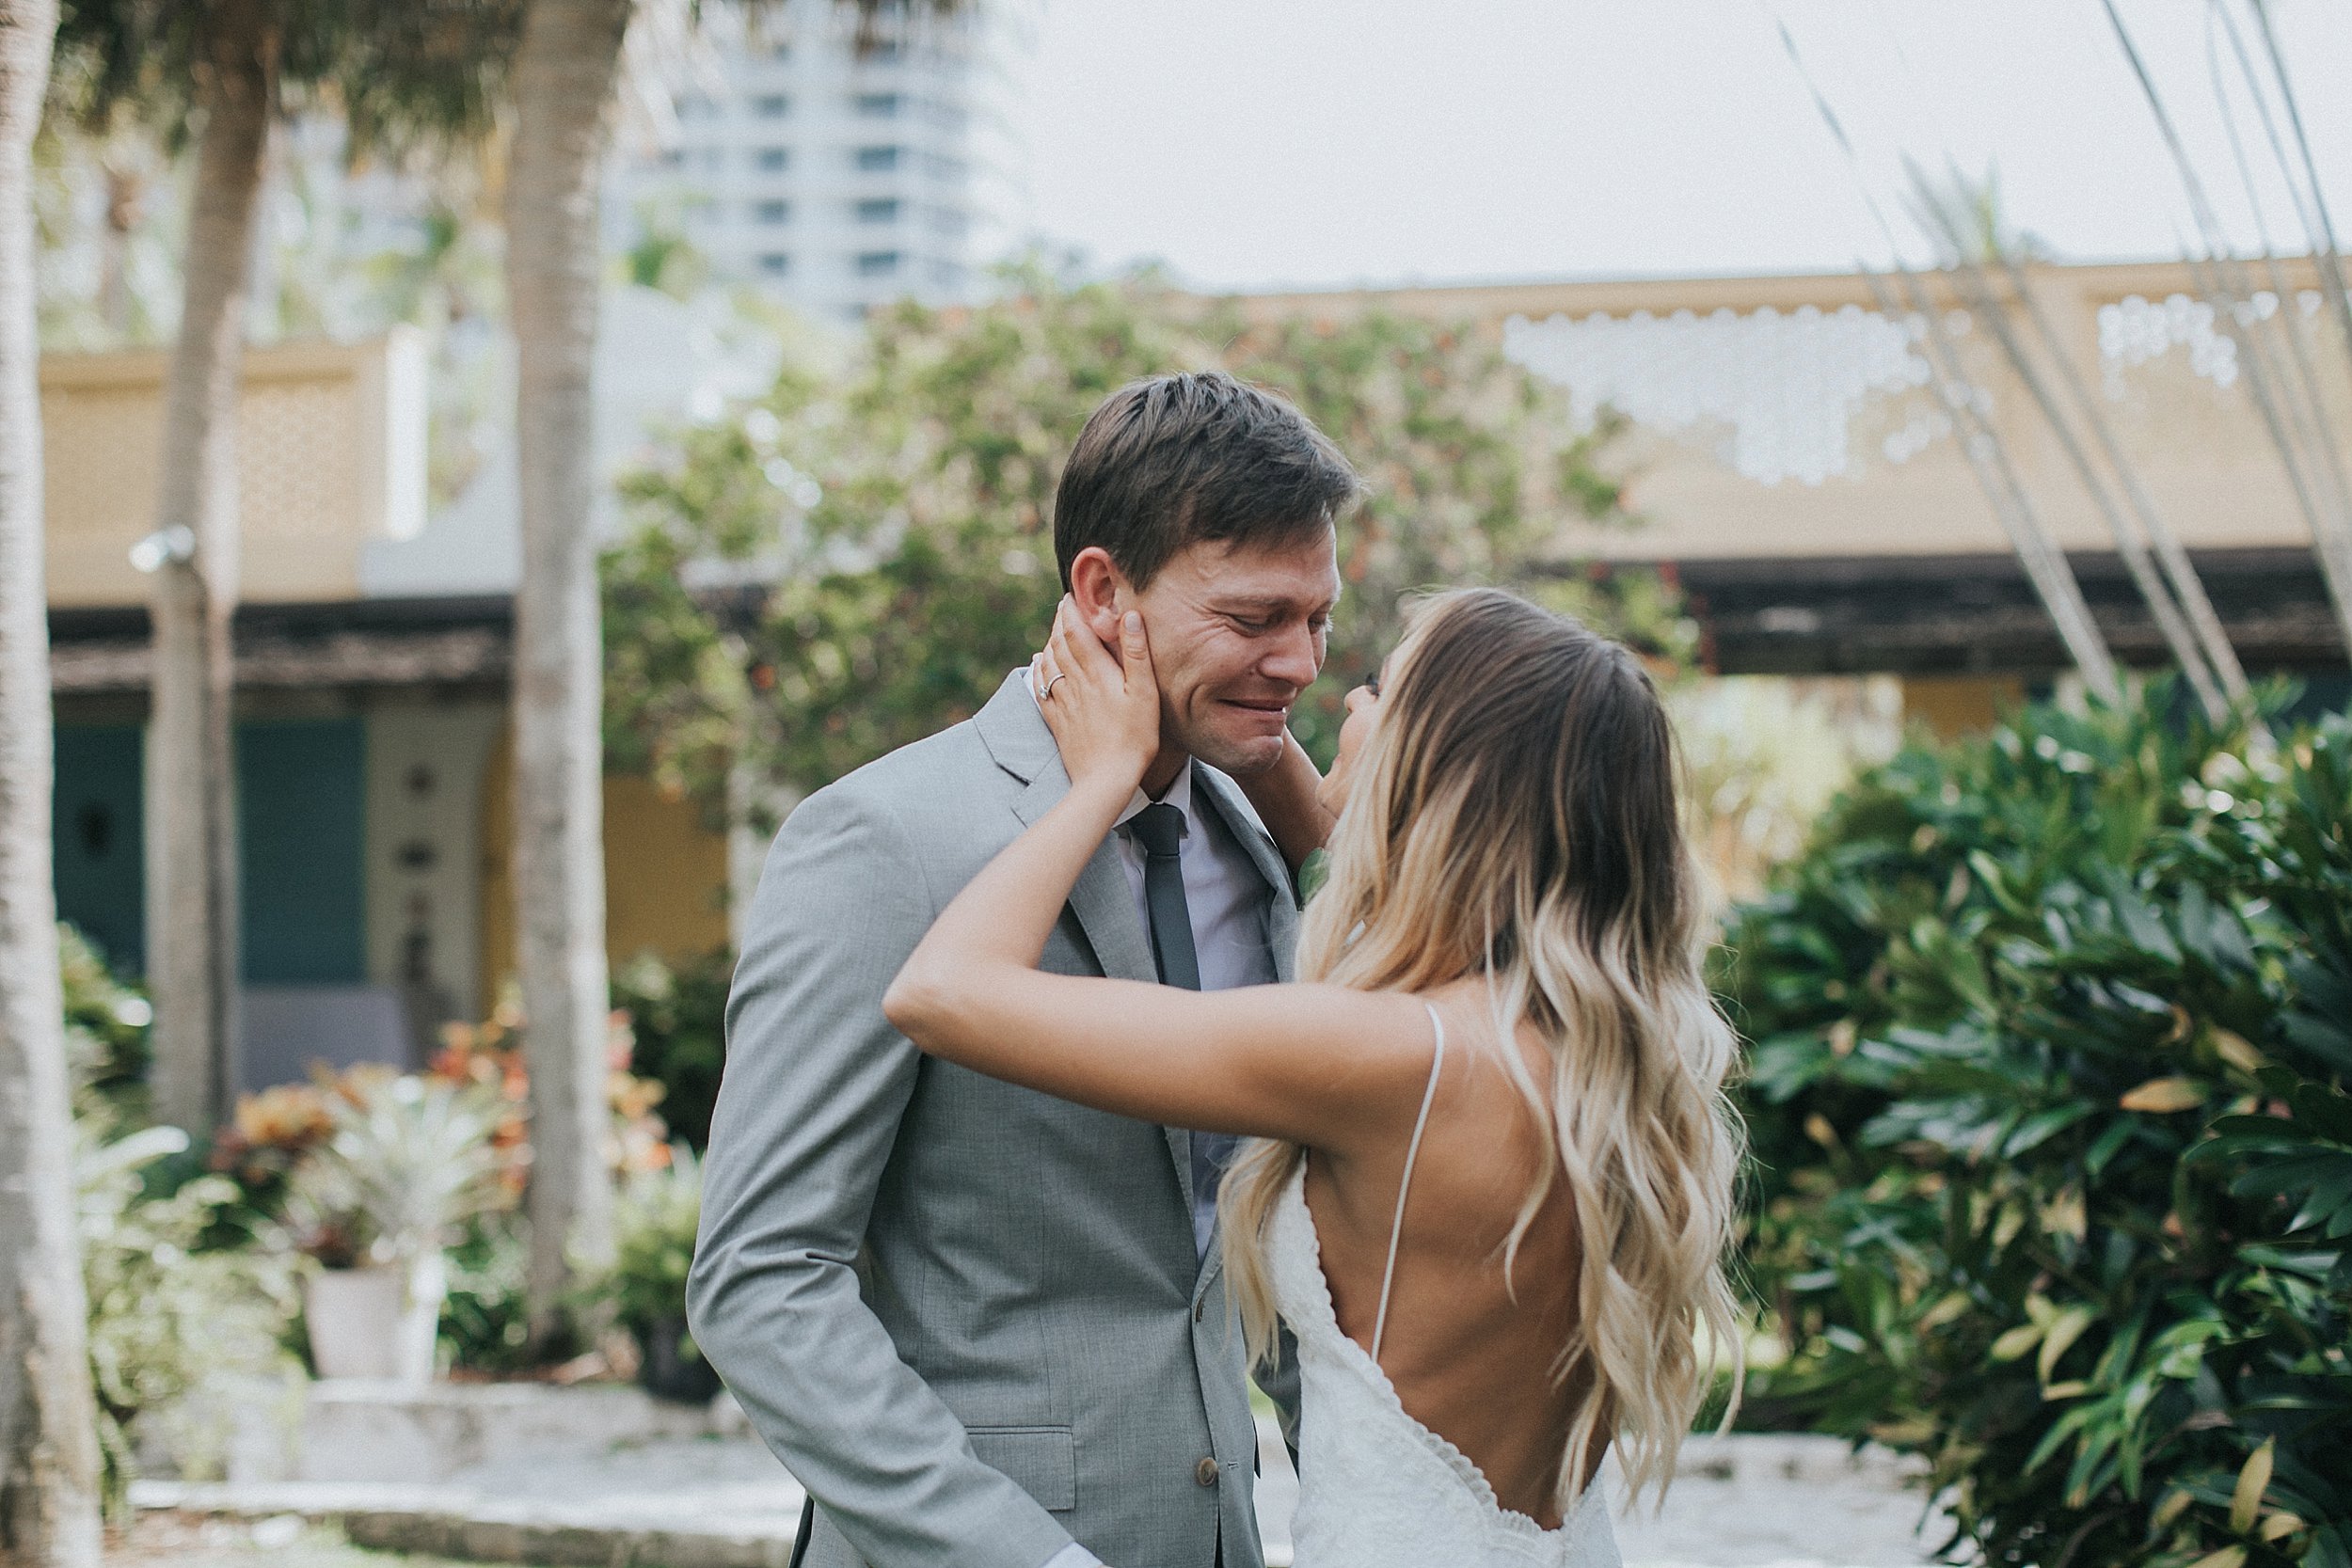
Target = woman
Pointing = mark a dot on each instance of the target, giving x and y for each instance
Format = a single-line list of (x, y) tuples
[(1493, 1179)]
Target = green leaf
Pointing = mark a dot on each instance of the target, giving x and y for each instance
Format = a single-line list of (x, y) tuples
[(2017, 1342), (2253, 1479), (2063, 1331), (2165, 1096)]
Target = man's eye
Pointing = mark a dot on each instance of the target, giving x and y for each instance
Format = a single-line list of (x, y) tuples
[(1251, 628)]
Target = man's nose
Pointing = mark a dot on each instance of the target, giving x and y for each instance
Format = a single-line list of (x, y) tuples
[(1294, 659)]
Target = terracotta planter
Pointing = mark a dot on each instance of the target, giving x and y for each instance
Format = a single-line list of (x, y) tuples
[(377, 1322)]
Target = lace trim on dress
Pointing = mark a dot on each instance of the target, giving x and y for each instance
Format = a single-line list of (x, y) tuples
[(1317, 1287)]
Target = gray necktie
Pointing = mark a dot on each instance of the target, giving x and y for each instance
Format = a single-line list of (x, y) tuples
[(1160, 830)]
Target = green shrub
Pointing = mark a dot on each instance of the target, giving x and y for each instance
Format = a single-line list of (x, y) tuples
[(106, 1023), (2051, 1033), (654, 1219), (642, 1288), (486, 1321), (174, 1325), (187, 1310), (677, 1026)]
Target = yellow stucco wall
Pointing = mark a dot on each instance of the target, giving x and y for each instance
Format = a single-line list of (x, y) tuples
[(1954, 705), (330, 455), (665, 873)]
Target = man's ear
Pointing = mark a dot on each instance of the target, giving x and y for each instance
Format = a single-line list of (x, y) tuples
[(1101, 591)]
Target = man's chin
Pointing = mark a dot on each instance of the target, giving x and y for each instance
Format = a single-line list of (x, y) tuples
[(1239, 755)]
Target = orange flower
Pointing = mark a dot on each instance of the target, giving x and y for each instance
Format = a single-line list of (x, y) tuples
[(291, 1115)]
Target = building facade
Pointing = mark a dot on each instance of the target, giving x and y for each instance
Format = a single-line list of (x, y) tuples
[(373, 782), (1791, 467), (837, 172)]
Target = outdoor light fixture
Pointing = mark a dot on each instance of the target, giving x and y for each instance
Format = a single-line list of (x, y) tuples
[(164, 546)]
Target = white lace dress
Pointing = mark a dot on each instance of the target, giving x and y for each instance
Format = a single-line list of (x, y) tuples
[(1376, 1488)]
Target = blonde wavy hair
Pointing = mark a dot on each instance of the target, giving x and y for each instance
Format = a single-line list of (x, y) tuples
[(1514, 816)]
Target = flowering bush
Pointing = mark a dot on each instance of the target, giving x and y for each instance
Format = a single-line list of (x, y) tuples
[(172, 1319), (2053, 1033)]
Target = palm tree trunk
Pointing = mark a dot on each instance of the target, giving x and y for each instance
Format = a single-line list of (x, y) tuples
[(193, 967), (2045, 565), (565, 74), (48, 1420)]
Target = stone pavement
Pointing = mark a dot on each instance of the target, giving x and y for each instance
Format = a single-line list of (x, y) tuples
[(720, 1500)]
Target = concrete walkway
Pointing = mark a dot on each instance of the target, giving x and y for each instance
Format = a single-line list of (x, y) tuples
[(723, 1501)]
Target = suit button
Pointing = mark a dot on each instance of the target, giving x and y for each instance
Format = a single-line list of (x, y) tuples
[(1205, 1472)]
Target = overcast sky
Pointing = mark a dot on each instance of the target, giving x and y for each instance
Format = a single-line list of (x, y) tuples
[(1260, 143)]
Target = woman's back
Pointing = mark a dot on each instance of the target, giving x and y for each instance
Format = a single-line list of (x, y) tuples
[(1462, 1390)]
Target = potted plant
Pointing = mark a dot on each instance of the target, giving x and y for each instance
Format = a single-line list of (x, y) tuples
[(644, 1288), (405, 1161)]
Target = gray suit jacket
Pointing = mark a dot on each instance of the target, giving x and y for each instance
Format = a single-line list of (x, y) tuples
[(967, 1315)]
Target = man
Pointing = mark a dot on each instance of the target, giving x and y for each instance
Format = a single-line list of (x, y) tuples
[(984, 1327)]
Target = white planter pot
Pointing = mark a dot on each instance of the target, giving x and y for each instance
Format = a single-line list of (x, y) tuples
[(377, 1322)]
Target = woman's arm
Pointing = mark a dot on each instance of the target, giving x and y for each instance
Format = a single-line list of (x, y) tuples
[(1319, 1063), (1288, 800)]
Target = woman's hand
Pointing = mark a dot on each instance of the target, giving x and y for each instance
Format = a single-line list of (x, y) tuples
[(1103, 707), (1287, 798)]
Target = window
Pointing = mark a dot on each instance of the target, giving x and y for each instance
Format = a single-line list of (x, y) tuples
[(775, 263), (884, 211), (877, 264), (771, 211), (774, 105), (770, 159), (878, 159), (878, 106)]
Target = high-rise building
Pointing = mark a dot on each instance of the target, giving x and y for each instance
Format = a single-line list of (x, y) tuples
[(842, 177)]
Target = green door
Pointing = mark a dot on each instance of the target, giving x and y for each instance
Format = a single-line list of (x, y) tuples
[(96, 840), (300, 813), (300, 816)]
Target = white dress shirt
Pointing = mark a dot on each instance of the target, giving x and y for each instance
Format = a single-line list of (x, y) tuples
[(1226, 899)]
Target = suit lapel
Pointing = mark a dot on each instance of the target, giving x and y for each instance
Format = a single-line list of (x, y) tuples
[(1102, 900), (1102, 897), (1225, 800)]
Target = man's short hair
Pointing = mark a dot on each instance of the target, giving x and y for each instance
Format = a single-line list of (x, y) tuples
[(1176, 459)]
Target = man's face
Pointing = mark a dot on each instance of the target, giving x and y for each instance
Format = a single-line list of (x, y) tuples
[(1237, 633)]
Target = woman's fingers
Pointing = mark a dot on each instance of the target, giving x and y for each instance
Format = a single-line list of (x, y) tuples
[(1134, 651), (1074, 643)]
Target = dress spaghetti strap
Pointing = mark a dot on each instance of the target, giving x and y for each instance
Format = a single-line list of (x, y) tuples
[(1405, 1185)]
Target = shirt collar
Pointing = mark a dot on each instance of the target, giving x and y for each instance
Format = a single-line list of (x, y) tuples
[(1179, 795)]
